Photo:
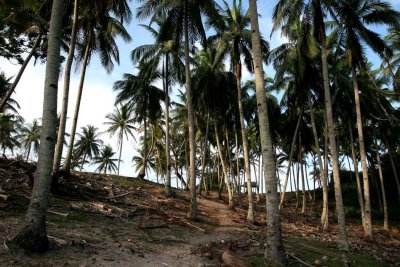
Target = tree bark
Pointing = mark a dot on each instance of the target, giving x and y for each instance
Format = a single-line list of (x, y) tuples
[(68, 157), (64, 105), (323, 176), (355, 163), (393, 163), (250, 211), (367, 197), (19, 75), (274, 252), (193, 214), (385, 209), (32, 235), (343, 242), (203, 160), (167, 152), (296, 131), (225, 172), (120, 151)]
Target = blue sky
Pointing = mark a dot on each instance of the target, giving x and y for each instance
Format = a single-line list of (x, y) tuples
[(98, 96)]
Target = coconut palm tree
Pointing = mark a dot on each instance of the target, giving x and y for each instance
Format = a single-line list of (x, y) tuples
[(234, 36), (354, 17), (105, 160), (89, 143), (32, 235), (286, 12), (121, 121), (30, 135), (274, 250), (184, 22), (143, 97), (10, 126), (99, 30), (5, 84)]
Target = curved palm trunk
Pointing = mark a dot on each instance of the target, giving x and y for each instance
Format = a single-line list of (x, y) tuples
[(28, 152), (20, 72), (68, 157), (250, 211), (303, 184), (167, 153), (64, 105), (355, 163), (343, 242), (323, 176), (296, 132), (385, 209), (32, 235), (274, 251), (192, 142), (225, 172), (367, 197)]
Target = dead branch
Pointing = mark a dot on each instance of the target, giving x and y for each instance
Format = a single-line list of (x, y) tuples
[(299, 260), (58, 213)]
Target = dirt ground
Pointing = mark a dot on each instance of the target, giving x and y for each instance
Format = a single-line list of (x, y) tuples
[(97, 220)]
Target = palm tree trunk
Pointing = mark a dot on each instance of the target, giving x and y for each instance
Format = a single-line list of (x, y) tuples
[(28, 152), (323, 176), (274, 250), (192, 142), (225, 173), (167, 153), (68, 157), (392, 162), (120, 151), (296, 131), (343, 242), (32, 235), (239, 189), (83, 161), (367, 197), (303, 184), (250, 211), (355, 163), (203, 160), (385, 209), (20, 72), (142, 172), (67, 79)]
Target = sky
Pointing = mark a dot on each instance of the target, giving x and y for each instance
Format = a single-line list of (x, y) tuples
[(98, 96)]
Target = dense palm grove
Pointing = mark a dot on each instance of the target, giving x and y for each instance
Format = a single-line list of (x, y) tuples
[(335, 110)]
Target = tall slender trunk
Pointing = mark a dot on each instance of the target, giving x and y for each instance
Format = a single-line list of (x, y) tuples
[(393, 163), (68, 157), (228, 152), (142, 172), (32, 235), (303, 184), (28, 152), (203, 159), (323, 176), (385, 209), (250, 211), (192, 142), (225, 172), (67, 79), (367, 197), (343, 242), (355, 163), (274, 251), (20, 72), (239, 189), (167, 152), (291, 153), (120, 151)]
